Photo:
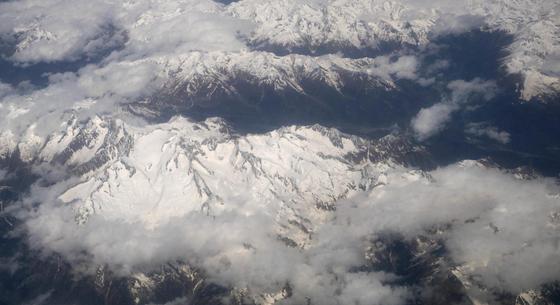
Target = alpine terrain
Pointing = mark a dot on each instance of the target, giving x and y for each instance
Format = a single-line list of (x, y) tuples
[(302, 152)]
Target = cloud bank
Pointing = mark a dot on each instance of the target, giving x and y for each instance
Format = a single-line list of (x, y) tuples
[(51, 31), (502, 231), (502, 240)]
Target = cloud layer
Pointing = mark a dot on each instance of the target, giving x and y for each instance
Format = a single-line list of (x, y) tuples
[(505, 235), (501, 231), (245, 210), (47, 31)]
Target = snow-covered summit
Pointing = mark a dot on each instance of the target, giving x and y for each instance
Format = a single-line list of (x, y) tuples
[(316, 26), (128, 195), (144, 29), (313, 25), (337, 215), (155, 172)]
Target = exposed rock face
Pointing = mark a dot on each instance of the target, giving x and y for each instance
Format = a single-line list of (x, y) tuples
[(120, 185), (300, 175)]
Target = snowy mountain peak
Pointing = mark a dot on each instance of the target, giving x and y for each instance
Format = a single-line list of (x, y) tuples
[(151, 174)]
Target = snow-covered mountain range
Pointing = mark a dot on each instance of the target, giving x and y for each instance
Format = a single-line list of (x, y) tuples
[(290, 26), (319, 26), (119, 185), (229, 208), (169, 170)]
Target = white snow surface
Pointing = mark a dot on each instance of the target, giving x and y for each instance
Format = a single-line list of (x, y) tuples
[(168, 29), (124, 192), (299, 204)]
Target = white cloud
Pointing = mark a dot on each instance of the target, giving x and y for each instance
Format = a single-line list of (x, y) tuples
[(461, 90), (432, 120), (150, 217), (53, 31), (510, 240), (42, 32), (456, 24), (5, 89), (482, 129), (521, 253), (125, 79), (152, 35), (49, 31), (403, 67)]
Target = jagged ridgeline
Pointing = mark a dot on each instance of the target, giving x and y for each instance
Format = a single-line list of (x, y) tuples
[(263, 152)]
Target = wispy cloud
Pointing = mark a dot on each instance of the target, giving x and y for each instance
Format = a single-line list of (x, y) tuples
[(430, 121), (491, 132)]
